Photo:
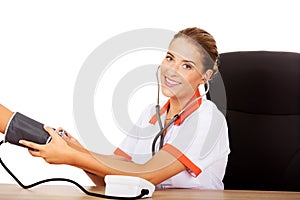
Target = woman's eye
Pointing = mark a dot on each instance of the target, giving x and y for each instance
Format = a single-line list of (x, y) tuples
[(169, 58), (185, 66)]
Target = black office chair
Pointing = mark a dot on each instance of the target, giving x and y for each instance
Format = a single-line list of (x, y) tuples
[(263, 115)]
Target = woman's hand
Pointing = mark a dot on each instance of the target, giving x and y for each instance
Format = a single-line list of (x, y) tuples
[(57, 151), (71, 141)]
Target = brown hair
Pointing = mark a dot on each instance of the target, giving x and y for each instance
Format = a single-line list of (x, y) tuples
[(207, 44)]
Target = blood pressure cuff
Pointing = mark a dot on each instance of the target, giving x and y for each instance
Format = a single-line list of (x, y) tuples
[(22, 127)]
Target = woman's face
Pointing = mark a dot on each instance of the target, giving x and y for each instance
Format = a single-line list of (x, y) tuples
[(181, 69)]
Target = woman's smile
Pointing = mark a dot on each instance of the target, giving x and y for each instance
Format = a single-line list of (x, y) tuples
[(171, 82)]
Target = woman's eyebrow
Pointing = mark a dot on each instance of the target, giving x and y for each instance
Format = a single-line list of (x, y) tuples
[(190, 61)]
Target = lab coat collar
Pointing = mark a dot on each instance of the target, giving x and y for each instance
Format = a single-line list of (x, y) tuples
[(185, 114)]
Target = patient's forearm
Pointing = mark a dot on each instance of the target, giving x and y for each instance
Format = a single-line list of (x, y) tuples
[(5, 115)]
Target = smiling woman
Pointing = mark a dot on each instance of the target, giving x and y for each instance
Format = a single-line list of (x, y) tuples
[(182, 72), (178, 161)]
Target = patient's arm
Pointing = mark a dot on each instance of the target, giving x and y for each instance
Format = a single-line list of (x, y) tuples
[(5, 115)]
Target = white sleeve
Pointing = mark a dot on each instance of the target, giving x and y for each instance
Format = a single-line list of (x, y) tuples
[(127, 148)]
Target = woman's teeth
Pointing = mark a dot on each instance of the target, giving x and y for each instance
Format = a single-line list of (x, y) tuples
[(171, 82)]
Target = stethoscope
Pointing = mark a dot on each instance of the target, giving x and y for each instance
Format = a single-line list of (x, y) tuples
[(162, 128)]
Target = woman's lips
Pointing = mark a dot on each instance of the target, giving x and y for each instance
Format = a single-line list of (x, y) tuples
[(170, 82)]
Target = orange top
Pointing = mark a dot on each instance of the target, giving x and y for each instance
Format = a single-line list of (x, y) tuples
[(5, 115)]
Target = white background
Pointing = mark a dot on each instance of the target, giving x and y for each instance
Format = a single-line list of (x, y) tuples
[(43, 45)]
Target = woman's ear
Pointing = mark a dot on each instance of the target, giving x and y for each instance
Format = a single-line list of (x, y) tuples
[(206, 76)]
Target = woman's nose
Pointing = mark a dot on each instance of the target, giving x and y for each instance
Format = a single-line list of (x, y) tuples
[(174, 65), (172, 69)]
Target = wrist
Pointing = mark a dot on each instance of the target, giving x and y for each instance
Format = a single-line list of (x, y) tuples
[(71, 156)]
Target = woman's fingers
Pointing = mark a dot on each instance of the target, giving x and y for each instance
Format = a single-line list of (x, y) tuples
[(50, 130), (34, 153), (31, 145), (59, 129)]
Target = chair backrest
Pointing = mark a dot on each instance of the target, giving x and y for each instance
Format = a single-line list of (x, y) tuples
[(263, 115)]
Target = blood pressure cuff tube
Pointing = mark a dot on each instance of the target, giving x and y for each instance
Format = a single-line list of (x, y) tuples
[(22, 127)]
